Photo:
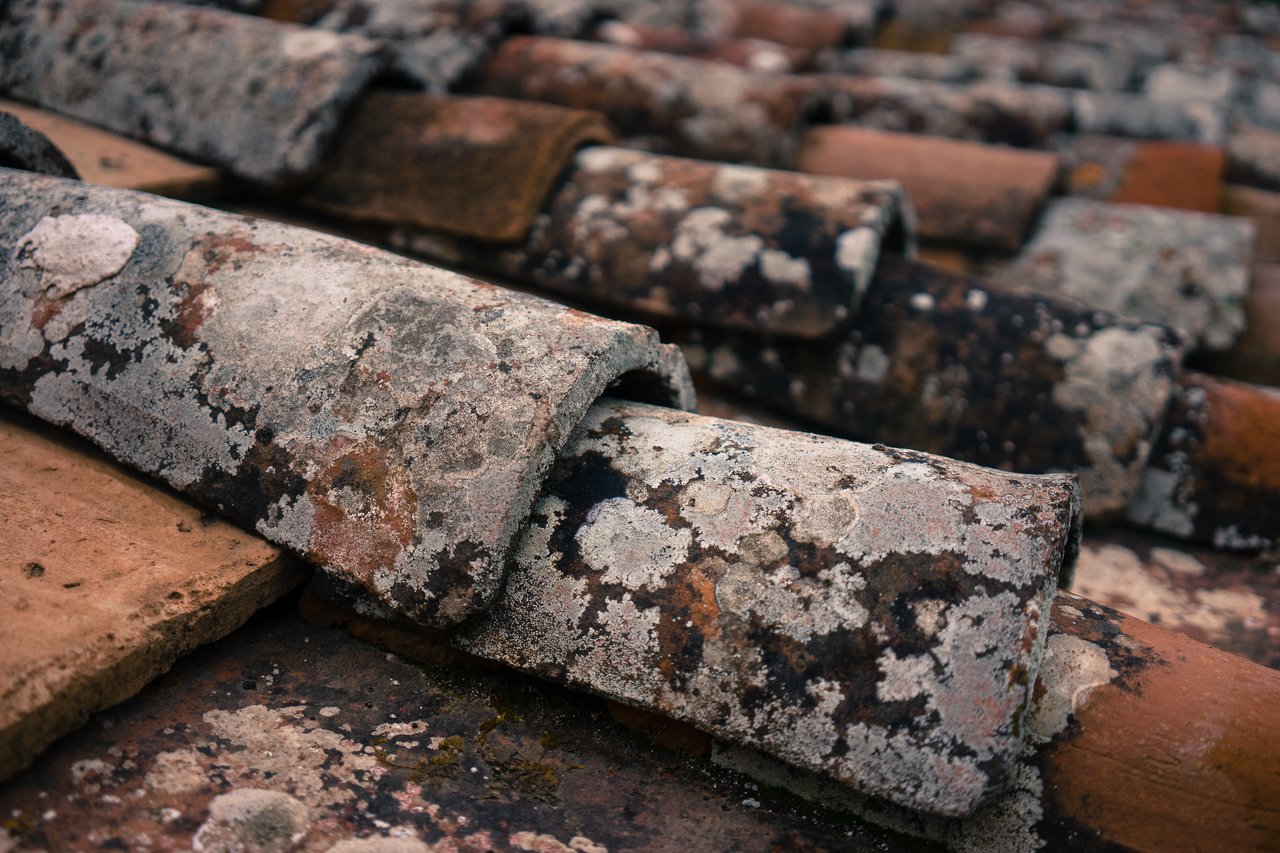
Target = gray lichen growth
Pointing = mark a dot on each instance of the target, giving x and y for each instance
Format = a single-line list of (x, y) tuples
[(754, 583), (383, 418), (1185, 270)]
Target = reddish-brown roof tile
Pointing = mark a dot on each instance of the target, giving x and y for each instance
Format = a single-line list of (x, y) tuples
[(107, 579), (476, 167), (962, 191), (1215, 473), (1165, 174), (102, 157)]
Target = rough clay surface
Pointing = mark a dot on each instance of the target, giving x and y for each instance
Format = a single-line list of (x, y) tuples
[(386, 756), (869, 614), (1115, 699), (102, 157), (105, 580), (948, 364), (964, 192), (1229, 601), (258, 98), (383, 418), (731, 246), (1186, 270), (1214, 475), (1022, 116), (676, 105)]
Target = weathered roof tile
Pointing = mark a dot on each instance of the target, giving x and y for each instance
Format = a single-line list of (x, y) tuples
[(394, 424), (1185, 270), (259, 98), (477, 167)]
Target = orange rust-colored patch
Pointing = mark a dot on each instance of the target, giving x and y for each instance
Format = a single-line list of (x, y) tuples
[(1186, 760), (1088, 175), (1173, 174), (1242, 432), (357, 486), (45, 310)]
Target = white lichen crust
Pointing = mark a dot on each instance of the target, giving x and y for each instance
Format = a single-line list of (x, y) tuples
[(726, 245), (383, 418), (871, 614)]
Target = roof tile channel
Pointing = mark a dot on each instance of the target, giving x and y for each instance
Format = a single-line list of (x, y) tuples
[(795, 289)]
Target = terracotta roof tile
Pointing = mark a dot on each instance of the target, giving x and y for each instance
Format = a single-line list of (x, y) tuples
[(708, 243), (102, 157), (1215, 474), (476, 167), (962, 191), (1263, 208), (1165, 174), (269, 111), (107, 580), (675, 104), (950, 364)]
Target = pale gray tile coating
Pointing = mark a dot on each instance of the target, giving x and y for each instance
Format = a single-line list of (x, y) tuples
[(1185, 270), (258, 98), (384, 418)]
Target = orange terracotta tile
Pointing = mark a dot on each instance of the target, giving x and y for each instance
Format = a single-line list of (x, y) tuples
[(105, 579), (1173, 174), (964, 192)]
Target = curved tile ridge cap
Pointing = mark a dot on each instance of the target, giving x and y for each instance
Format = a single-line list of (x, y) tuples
[(1180, 268), (256, 97), (724, 245), (874, 615), (381, 417)]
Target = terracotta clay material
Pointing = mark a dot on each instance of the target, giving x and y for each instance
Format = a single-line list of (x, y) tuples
[(1000, 113), (962, 191), (259, 98), (793, 26), (1228, 601), (1133, 729), (378, 416), (760, 584), (301, 731), (755, 54), (730, 246), (1178, 724), (1263, 209), (102, 157), (1214, 475), (477, 167), (1174, 174), (105, 580), (1164, 174), (1255, 357), (1253, 159), (949, 364), (677, 105)]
